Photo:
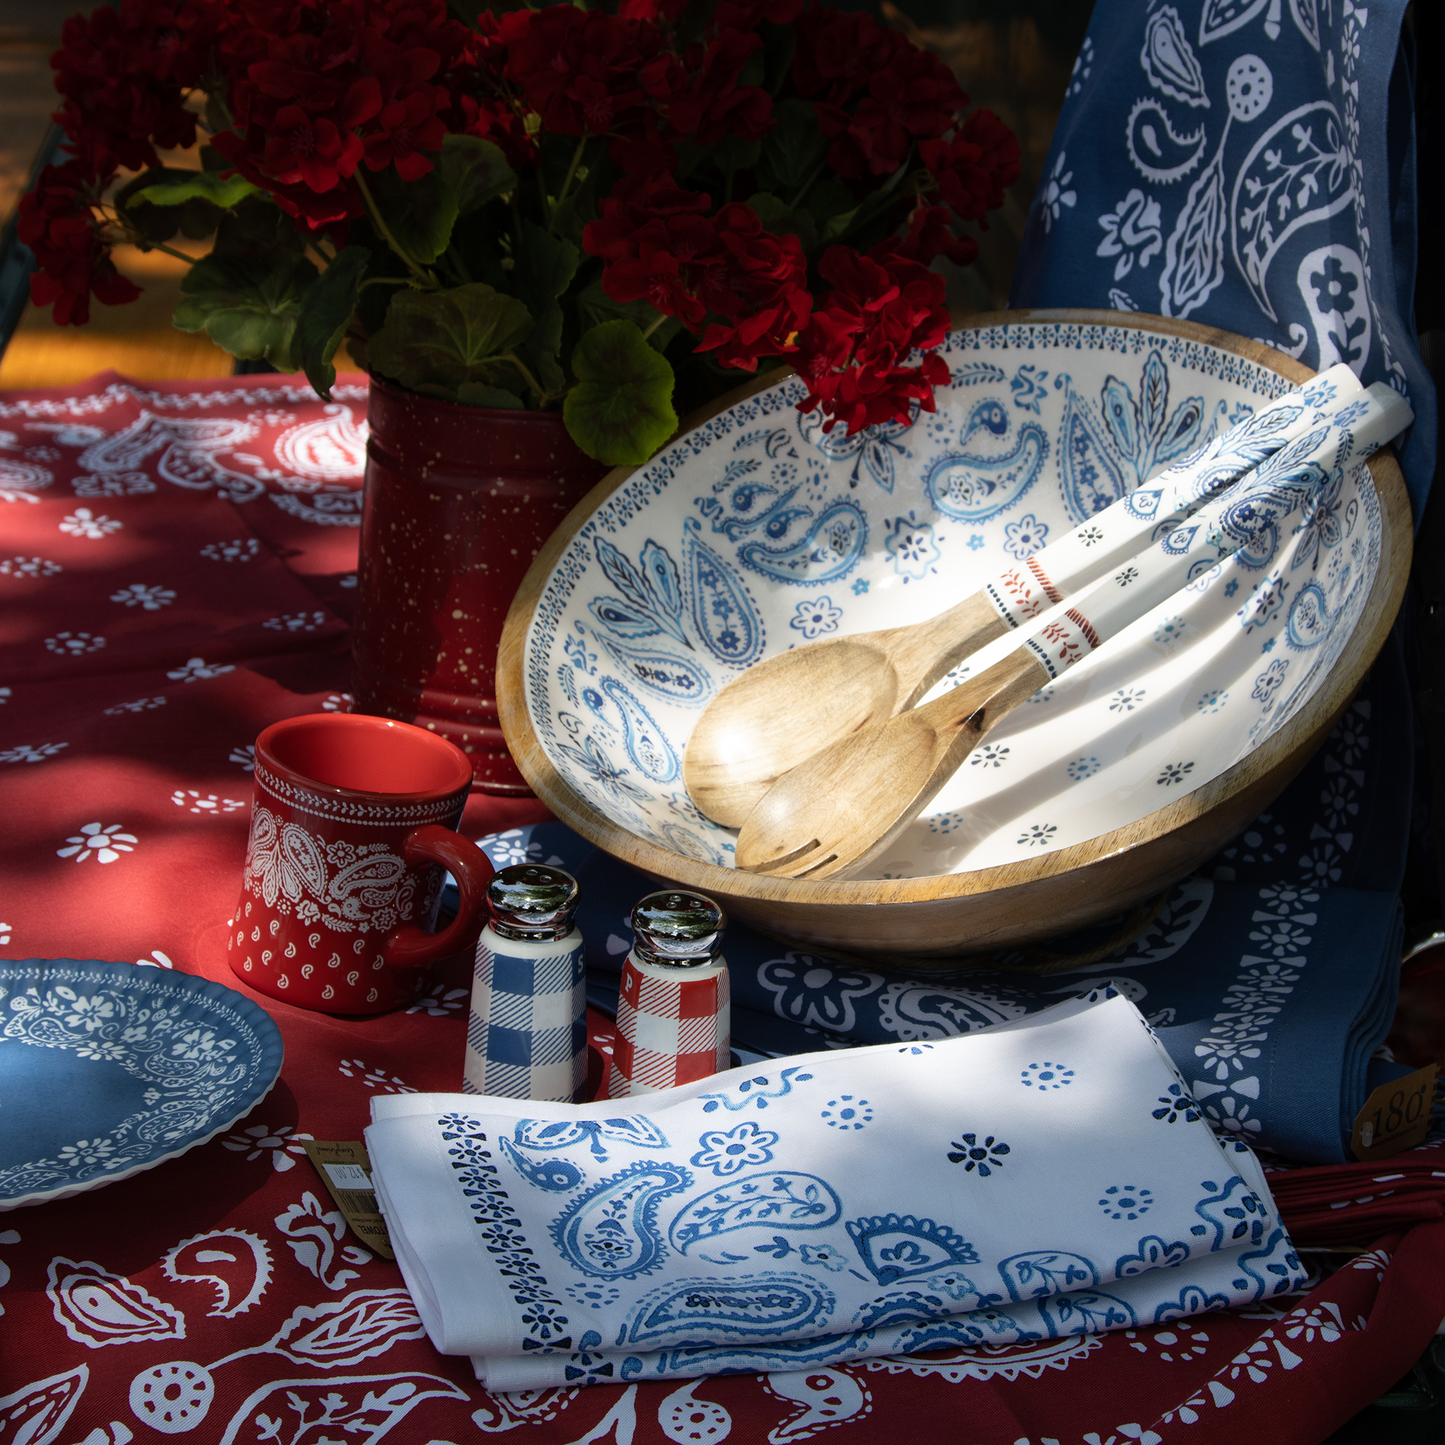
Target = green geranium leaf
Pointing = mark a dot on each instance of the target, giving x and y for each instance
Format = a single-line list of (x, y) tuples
[(544, 266), (446, 338), (792, 149), (325, 314), (419, 213), (258, 229), (194, 217), (475, 170), (869, 209), (198, 186), (476, 393), (733, 153), (620, 411), (785, 220), (248, 308), (596, 306)]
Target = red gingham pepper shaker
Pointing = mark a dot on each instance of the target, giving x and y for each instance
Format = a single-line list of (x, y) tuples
[(674, 1021)]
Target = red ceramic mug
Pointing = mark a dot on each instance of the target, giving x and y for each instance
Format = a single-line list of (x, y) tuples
[(351, 827)]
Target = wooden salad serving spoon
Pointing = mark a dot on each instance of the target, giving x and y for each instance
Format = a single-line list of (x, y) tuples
[(845, 805), (785, 709)]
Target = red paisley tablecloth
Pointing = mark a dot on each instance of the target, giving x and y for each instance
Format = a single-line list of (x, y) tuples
[(177, 567)]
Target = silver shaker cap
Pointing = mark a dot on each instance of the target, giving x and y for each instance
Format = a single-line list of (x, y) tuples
[(680, 930), (532, 901)]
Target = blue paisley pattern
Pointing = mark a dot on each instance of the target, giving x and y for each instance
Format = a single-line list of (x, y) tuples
[(736, 1308), (611, 1230), (895, 1247), (781, 1200)]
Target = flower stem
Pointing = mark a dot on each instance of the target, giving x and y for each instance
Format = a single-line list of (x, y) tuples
[(566, 184), (526, 375), (385, 230), (661, 317)]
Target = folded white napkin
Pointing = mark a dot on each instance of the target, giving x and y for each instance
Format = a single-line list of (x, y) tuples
[(1046, 1177)]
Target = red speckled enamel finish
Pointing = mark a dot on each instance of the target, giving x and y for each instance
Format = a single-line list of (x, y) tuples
[(459, 499)]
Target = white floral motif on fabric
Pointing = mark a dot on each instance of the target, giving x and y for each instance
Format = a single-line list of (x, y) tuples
[(29, 567), (243, 549), (1055, 195), (104, 842), (74, 644), (441, 1001), (31, 753), (82, 522), (278, 1144), (141, 704), (196, 668), (148, 599), (349, 887), (378, 1079), (205, 804), (296, 622)]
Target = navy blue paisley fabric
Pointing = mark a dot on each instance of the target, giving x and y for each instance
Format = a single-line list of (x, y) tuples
[(1246, 164), (1270, 996)]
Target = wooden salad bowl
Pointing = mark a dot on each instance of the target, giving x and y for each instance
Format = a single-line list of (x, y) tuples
[(926, 921)]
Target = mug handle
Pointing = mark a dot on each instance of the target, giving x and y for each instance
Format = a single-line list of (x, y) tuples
[(408, 946)]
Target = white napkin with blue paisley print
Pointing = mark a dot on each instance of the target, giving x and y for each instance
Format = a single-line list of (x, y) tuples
[(1043, 1178)]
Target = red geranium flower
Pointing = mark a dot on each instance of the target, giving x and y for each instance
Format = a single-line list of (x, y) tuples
[(974, 168), (407, 128), (882, 309), (71, 255)]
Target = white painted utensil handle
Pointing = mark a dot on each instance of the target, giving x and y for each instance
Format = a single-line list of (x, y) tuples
[(1024, 591), (1288, 482)]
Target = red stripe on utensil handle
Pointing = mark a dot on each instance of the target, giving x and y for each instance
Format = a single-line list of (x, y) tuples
[(1052, 592), (1022, 593), (1065, 641)]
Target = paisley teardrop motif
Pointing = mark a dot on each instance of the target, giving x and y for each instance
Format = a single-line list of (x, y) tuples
[(828, 550), (778, 1199), (764, 1305), (96, 1307), (678, 679), (1091, 475), (38, 1411), (973, 488), (647, 744), (611, 1231), (722, 611)]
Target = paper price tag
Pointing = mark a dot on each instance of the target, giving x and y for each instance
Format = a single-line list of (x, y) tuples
[(1396, 1116), (346, 1172)]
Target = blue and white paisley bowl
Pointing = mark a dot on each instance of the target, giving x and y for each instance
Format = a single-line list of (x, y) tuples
[(755, 532), (107, 1069)]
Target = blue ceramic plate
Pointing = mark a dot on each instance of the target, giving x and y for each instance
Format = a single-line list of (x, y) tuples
[(107, 1069)]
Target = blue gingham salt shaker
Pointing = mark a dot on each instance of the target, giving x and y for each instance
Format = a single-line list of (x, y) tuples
[(527, 1036)]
